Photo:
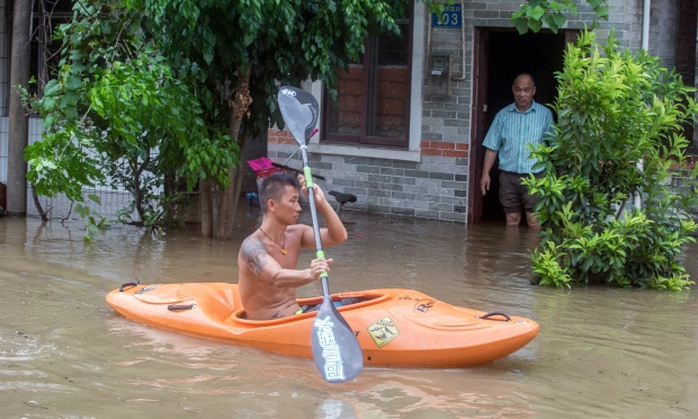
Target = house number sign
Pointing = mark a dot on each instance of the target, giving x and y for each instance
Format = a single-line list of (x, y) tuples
[(451, 17)]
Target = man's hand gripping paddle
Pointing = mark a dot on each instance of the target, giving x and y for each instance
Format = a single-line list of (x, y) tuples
[(336, 350)]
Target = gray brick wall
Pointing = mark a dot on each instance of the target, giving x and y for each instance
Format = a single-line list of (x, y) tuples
[(431, 189)]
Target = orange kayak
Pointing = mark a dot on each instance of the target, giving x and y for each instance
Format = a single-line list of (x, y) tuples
[(394, 327)]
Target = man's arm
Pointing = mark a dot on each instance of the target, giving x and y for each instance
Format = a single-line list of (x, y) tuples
[(490, 157), (256, 258), (492, 142), (334, 233), (549, 134)]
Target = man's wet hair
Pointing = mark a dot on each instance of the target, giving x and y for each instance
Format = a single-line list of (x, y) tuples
[(274, 186)]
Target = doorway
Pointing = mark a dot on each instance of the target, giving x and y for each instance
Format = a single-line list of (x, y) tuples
[(499, 56)]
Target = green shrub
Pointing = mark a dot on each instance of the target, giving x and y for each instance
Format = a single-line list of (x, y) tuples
[(619, 135)]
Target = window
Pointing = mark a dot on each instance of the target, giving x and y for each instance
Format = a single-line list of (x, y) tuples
[(43, 58), (373, 96)]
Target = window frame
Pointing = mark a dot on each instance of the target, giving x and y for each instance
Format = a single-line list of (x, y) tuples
[(369, 73)]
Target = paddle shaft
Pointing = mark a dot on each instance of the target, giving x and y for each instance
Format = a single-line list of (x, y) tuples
[(336, 349), (319, 253)]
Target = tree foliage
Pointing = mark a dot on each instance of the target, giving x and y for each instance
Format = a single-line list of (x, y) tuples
[(113, 113), (619, 134), (217, 42), (536, 13)]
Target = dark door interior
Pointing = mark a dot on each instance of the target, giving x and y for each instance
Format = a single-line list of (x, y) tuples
[(500, 56)]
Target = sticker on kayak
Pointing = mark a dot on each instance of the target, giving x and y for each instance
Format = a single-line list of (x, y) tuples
[(147, 289), (423, 306), (383, 331)]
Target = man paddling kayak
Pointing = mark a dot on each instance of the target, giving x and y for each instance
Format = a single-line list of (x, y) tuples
[(267, 262)]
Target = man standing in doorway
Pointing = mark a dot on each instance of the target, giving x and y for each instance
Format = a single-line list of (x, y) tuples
[(522, 123)]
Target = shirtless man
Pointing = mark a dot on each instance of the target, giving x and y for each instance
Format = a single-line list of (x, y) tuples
[(267, 272)]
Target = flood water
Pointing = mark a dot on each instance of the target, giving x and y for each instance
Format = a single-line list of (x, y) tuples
[(64, 353)]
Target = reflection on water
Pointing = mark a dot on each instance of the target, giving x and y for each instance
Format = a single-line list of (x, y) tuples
[(64, 353)]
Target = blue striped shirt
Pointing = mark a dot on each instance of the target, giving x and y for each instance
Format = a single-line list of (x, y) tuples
[(512, 130)]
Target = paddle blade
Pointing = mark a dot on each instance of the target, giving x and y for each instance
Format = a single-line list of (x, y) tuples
[(336, 350), (300, 111)]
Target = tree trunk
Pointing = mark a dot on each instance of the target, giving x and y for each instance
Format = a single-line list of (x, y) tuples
[(239, 109), (220, 224), (18, 129), (206, 207)]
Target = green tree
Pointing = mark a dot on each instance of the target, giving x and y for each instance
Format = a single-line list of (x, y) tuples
[(113, 113), (619, 134), (230, 56)]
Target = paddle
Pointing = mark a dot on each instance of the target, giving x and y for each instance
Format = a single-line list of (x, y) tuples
[(336, 350)]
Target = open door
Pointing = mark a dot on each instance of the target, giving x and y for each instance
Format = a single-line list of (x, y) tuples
[(499, 56), (479, 124)]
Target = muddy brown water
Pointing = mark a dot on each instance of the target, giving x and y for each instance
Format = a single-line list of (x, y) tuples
[(64, 353)]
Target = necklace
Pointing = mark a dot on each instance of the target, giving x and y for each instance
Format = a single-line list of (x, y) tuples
[(281, 245)]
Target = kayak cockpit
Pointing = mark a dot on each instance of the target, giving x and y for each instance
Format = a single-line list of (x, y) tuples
[(343, 302)]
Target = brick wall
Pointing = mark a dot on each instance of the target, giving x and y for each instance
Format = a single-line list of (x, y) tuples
[(434, 188)]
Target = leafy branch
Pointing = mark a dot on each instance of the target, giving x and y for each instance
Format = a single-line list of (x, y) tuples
[(552, 13)]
